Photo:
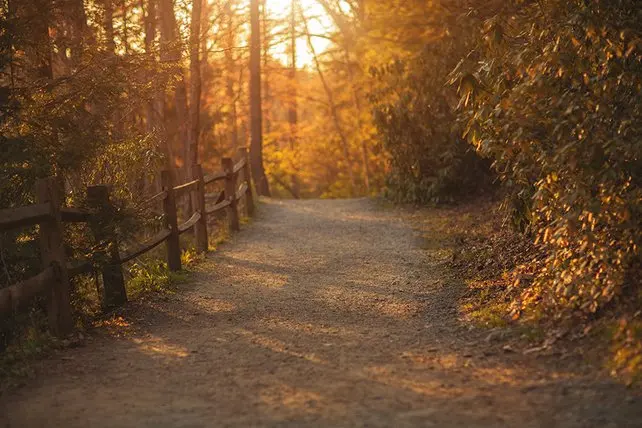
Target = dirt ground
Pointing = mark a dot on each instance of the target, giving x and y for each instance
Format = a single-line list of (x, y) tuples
[(320, 313)]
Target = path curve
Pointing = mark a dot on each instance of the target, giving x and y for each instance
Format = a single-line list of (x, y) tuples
[(320, 313)]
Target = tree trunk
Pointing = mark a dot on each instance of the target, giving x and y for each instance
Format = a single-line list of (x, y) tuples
[(171, 52), (155, 109), (267, 95), (150, 36), (195, 87), (125, 38), (230, 77), (293, 117), (108, 25), (79, 31), (256, 115)]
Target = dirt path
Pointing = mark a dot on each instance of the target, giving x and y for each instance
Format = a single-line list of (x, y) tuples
[(321, 313)]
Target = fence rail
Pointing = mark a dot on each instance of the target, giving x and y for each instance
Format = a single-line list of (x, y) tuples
[(159, 196), (187, 186), (74, 215), (24, 216), (49, 213), (215, 177), (154, 242)]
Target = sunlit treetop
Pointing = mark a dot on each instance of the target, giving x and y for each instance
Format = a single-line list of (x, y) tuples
[(320, 26)]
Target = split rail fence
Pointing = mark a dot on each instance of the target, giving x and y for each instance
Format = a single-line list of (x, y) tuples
[(54, 279)]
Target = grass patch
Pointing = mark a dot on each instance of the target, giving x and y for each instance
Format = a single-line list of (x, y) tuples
[(221, 236), (30, 340), (626, 350), (24, 338), (491, 315), (152, 277), (496, 265)]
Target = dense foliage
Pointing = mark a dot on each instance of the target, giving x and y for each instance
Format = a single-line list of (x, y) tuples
[(65, 115), (549, 92), (427, 101), (415, 113), (554, 101)]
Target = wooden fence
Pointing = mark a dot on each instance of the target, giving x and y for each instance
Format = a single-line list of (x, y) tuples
[(50, 215)]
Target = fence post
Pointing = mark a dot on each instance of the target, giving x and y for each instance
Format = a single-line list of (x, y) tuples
[(53, 253), (171, 222), (200, 229), (104, 229), (230, 192), (247, 175)]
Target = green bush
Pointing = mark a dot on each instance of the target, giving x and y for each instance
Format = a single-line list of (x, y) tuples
[(416, 116), (552, 97)]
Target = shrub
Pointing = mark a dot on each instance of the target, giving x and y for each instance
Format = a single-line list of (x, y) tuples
[(552, 98), (416, 116)]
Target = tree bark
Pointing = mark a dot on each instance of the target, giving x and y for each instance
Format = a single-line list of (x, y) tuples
[(195, 87), (155, 108), (230, 78), (293, 117), (150, 36), (171, 52), (108, 25), (267, 95), (256, 114)]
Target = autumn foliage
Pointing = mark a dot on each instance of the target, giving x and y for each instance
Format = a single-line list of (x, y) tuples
[(418, 101)]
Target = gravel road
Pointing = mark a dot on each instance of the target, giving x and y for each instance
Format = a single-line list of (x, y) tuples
[(321, 313)]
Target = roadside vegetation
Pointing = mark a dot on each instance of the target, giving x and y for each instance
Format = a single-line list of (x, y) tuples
[(533, 104)]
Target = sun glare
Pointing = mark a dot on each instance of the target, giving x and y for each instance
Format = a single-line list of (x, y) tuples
[(319, 23)]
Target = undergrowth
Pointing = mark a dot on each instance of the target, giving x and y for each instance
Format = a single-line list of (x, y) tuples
[(497, 265), (25, 337)]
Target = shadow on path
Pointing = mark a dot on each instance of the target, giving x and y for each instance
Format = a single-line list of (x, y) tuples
[(322, 313)]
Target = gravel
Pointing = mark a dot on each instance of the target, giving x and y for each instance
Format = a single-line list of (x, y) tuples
[(329, 313)]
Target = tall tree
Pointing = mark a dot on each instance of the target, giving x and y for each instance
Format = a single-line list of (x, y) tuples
[(230, 76), (256, 113), (267, 93), (293, 105), (171, 53), (195, 87), (108, 25)]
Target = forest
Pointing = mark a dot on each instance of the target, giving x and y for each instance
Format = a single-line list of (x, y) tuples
[(536, 104)]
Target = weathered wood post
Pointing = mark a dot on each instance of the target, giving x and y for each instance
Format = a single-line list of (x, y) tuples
[(230, 192), (53, 253), (104, 230), (200, 228), (247, 175), (171, 222)]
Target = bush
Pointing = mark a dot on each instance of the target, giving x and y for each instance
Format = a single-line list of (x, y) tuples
[(416, 116), (552, 98)]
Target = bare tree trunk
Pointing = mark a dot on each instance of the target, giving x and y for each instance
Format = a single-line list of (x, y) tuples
[(171, 52), (118, 118), (79, 31), (195, 87), (150, 36), (230, 77), (108, 25), (333, 108), (191, 155), (155, 109), (125, 26), (256, 114), (293, 117), (267, 95)]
